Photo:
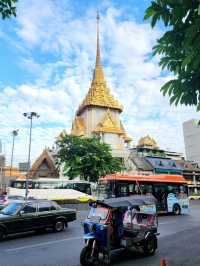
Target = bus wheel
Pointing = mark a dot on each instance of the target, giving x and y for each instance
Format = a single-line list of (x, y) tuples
[(176, 209)]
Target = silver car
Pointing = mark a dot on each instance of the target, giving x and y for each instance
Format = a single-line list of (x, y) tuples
[(6, 199)]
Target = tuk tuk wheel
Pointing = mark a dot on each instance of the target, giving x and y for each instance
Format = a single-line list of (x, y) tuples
[(150, 245), (85, 257)]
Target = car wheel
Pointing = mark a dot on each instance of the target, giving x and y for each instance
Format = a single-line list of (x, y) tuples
[(150, 245), (2, 234), (59, 226), (176, 209)]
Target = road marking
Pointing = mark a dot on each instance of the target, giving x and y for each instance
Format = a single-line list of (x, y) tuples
[(42, 244)]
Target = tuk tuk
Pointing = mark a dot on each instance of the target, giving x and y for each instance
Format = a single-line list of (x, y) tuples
[(119, 223)]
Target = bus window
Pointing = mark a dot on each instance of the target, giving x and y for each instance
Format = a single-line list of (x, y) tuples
[(131, 189), (83, 187), (30, 184), (103, 191), (58, 185), (159, 191), (146, 189), (68, 186), (123, 190), (183, 189), (18, 184), (46, 185), (173, 189)]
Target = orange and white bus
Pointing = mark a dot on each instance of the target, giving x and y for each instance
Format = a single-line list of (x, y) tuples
[(171, 191)]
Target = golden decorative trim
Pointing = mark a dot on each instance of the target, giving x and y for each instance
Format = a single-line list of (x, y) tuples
[(78, 127), (125, 136), (62, 135), (108, 125)]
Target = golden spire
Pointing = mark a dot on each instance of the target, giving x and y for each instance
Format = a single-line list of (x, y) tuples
[(99, 94), (98, 61), (98, 75)]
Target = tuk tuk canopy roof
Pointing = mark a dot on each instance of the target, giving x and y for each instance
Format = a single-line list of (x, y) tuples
[(136, 200)]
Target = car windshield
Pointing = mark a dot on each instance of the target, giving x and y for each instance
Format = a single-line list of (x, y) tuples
[(98, 212), (11, 209)]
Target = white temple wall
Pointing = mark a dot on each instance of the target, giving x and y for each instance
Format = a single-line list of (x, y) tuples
[(92, 117), (114, 140)]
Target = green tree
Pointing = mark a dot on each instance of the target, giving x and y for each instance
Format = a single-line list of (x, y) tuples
[(88, 158), (179, 48), (7, 8)]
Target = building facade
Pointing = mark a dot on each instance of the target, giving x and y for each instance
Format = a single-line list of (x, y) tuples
[(191, 132)]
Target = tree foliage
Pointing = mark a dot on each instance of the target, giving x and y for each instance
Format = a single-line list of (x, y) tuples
[(7, 8), (179, 47), (88, 158)]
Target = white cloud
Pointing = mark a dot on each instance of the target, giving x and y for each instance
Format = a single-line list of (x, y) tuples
[(61, 84)]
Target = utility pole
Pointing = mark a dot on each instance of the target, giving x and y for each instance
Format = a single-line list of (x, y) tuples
[(30, 116), (14, 134)]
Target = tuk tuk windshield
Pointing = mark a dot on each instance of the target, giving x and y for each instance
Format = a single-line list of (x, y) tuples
[(100, 212)]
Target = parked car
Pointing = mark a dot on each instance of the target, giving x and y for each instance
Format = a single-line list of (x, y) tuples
[(194, 197), (21, 216), (6, 199)]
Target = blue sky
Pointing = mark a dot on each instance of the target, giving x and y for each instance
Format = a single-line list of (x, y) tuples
[(47, 55)]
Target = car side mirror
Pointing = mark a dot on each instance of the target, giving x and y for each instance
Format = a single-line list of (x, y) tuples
[(21, 213)]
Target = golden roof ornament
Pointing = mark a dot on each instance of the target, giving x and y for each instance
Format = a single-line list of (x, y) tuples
[(99, 94), (78, 127), (125, 135), (109, 124), (147, 141), (62, 135)]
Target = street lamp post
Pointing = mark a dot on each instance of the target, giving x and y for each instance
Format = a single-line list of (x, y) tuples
[(14, 134), (30, 116)]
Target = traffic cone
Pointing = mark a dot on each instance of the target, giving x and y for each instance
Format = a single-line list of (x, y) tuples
[(163, 262)]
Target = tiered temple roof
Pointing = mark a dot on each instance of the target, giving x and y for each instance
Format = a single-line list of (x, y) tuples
[(99, 94)]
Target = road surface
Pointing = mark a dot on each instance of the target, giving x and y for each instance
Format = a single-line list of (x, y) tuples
[(178, 243)]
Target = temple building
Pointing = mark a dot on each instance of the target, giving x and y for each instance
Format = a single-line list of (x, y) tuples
[(44, 166), (99, 113), (147, 146), (147, 158)]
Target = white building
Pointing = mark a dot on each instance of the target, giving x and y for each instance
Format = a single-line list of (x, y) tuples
[(191, 132)]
